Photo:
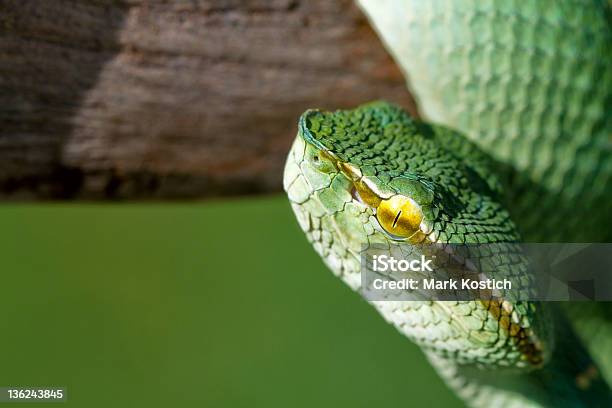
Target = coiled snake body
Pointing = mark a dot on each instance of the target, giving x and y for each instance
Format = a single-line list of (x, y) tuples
[(525, 88)]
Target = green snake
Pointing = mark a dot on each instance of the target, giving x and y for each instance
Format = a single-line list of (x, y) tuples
[(516, 148)]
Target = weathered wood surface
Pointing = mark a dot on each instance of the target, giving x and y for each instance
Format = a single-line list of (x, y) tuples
[(172, 99)]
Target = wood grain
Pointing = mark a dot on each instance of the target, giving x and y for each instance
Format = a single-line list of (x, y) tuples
[(173, 99)]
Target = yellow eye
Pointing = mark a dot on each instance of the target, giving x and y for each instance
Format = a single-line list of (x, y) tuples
[(399, 215)]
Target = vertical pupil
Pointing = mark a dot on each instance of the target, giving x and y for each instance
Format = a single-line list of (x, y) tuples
[(396, 218)]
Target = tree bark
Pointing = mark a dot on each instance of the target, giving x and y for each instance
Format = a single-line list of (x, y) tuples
[(173, 99)]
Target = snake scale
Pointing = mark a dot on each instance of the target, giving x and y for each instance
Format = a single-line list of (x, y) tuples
[(516, 147)]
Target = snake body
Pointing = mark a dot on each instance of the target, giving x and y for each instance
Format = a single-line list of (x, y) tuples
[(518, 149)]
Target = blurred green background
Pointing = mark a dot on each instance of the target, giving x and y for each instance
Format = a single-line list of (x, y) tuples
[(216, 304)]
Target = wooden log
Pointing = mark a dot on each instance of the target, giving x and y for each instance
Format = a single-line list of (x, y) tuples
[(173, 99)]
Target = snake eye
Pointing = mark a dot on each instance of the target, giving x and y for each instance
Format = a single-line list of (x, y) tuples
[(315, 159), (399, 216)]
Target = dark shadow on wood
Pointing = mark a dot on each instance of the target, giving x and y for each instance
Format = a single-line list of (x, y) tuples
[(51, 53)]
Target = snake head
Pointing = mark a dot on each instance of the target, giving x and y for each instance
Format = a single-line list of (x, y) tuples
[(375, 176)]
